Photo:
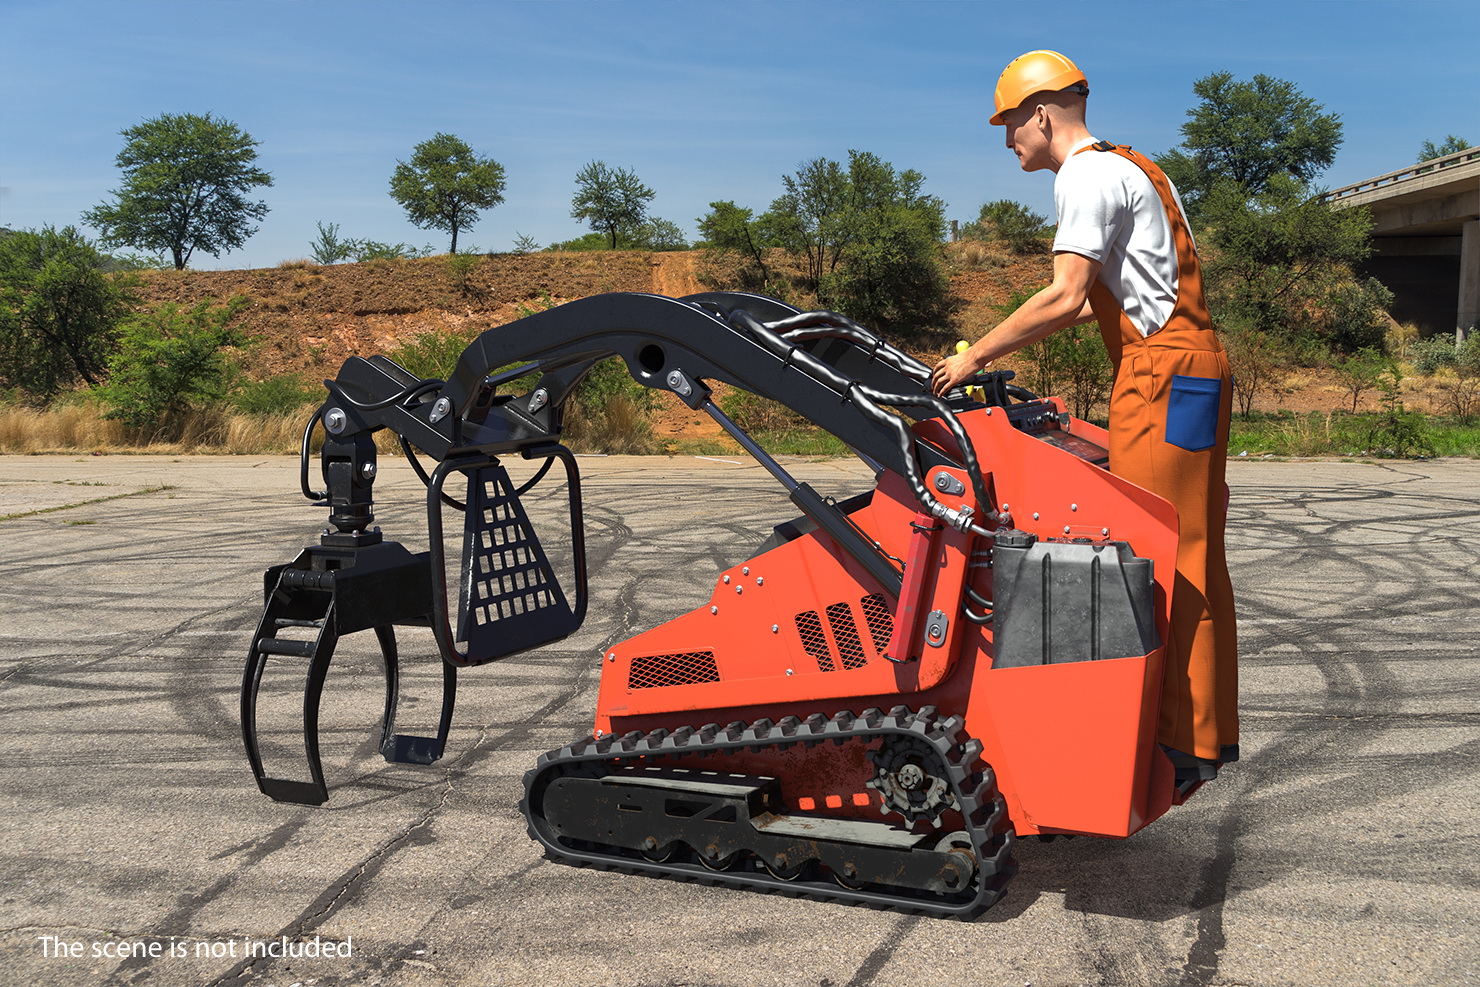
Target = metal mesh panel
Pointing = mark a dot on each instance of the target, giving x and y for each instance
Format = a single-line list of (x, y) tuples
[(880, 621), (655, 671), (809, 626), (511, 598), (845, 631)]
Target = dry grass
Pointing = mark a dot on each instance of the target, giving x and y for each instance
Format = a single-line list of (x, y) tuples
[(1400, 337), (978, 255), (82, 428), (618, 427)]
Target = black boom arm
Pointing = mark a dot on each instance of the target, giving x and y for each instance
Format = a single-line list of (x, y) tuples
[(828, 369)]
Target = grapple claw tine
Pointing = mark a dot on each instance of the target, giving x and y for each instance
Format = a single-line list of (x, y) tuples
[(313, 691), (404, 748), (285, 610)]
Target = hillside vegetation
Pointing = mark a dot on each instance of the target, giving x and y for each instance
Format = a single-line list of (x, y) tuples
[(308, 318)]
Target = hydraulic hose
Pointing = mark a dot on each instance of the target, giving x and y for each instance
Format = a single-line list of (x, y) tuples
[(406, 394), (303, 455), (426, 480), (868, 401), (823, 324)]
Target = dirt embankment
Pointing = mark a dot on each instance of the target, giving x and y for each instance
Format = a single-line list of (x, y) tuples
[(309, 318)]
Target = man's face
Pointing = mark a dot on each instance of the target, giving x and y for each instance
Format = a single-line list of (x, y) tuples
[(1025, 138)]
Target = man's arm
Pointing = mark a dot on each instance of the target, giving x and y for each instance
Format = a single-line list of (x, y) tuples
[(1063, 303)]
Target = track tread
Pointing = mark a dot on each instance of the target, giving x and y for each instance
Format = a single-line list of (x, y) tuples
[(973, 782)]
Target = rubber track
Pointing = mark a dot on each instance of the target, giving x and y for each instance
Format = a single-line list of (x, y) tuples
[(971, 780)]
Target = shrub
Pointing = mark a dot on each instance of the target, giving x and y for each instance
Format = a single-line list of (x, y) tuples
[(1260, 363), (1395, 432), (365, 250), (274, 395), (1455, 371), (327, 248), (1021, 229), (433, 354), (170, 361), (460, 268), (1360, 372), (58, 310)]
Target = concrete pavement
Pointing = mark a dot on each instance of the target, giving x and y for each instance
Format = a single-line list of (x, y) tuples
[(1342, 849)]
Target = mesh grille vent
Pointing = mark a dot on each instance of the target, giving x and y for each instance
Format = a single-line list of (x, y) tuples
[(845, 631), (880, 621), (505, 571), (656, 671), (809, 626)]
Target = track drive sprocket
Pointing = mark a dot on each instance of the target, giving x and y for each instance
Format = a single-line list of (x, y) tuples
[(909, 780)]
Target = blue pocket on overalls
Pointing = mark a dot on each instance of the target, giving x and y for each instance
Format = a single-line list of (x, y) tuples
[(1192, 412)]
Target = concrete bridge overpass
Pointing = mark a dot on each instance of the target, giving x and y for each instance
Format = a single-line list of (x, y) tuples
[(1427, 235)]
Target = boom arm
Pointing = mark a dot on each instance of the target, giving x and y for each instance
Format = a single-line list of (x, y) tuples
[(822, 365)]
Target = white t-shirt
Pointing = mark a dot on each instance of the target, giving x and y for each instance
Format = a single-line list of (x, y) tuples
[(1109, 211)]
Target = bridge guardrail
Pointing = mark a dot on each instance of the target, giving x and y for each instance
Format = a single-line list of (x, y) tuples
[(1405, 174)]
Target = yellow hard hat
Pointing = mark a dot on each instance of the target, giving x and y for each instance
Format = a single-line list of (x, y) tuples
[(1036, 72)]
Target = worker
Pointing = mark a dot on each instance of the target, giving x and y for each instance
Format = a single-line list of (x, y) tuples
[(1123, 254)]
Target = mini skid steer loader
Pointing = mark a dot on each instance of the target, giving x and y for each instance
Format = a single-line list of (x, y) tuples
[(870, 710)]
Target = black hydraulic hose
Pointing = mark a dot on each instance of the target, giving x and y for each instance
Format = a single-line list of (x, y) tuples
[(426, 480), (303, 454), (815, 325), (405, 394), (538, 476), (977, 618), (869, 400), (847, 389), (896, 360), (963, 441)]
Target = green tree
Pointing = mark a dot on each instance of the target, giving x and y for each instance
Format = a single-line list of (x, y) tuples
[(169, 361), (659, 234), (1280, 265), (1250, 133), (612, 200), (1361, 372), (871, 239), (1452, 145), (866, 237), (728, 228), (185, 184), (810, 218), (445, 184), (58, 309)]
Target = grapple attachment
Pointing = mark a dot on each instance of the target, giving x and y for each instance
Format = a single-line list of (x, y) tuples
[(510, 601), (325, 593)]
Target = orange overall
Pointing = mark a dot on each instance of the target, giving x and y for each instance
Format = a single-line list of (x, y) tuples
[(1169, 411)]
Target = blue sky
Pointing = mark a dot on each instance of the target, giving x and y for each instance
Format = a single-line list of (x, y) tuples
[(704, 99)]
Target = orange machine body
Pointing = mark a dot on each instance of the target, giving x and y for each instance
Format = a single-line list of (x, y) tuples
[(802, 629)]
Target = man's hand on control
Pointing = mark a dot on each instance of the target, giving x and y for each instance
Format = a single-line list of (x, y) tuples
[(952, 371)]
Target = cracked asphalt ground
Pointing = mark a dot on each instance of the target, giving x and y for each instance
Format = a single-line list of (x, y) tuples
[(1342, 849)]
